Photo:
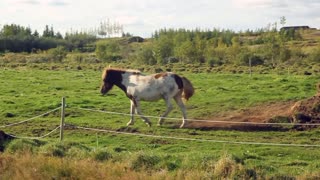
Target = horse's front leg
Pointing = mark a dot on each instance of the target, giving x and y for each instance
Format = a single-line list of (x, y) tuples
[(132, 110), (138, 110), (169, 109)]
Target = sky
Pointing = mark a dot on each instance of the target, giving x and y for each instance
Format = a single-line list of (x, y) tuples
[(143, 17)]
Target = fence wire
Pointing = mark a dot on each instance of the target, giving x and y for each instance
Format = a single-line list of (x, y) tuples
[(27, 120), (24, 121), (200, 120), (40, 137), (199, 140)]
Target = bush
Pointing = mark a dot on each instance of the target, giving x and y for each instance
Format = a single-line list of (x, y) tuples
[(102, 155), (57, 54), (61, 149), (228, 168), (23, 145), (144, 161), (145, 56), (314, 56), (53, 149), (108, 50)]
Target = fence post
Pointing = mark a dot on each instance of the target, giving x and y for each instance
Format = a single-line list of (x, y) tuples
[(63, 105)]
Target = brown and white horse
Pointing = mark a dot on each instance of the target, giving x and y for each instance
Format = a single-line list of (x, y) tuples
[(137, 86)]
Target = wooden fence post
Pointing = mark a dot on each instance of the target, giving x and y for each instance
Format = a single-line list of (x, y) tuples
[(63, 105), (250, 66)]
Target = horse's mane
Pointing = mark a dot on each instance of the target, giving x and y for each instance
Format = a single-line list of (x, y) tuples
[(119, 70)]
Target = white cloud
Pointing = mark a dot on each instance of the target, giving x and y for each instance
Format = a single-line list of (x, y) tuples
[(57, 3), (260, 3), (30, 2)]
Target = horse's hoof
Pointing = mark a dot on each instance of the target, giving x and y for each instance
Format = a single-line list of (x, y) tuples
[(130, 124), (149, 124)]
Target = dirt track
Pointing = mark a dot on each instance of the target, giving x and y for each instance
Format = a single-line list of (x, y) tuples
[(261, 113)]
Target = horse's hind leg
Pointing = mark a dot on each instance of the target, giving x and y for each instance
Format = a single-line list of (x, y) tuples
[(132, 110), (183, 110), (138, 110), (169, 109)]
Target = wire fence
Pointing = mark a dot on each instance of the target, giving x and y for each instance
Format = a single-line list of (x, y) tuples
[(30, 119), (199, 140), (203, 120), (194, 139), (62, 125), (40, 137)]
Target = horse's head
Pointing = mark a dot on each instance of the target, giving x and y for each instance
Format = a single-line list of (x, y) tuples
[(113, 76), (107, 81)]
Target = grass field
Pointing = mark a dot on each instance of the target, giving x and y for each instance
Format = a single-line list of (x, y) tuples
[(26, 93)]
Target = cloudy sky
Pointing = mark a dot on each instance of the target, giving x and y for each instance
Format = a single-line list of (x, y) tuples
[(142, 17)]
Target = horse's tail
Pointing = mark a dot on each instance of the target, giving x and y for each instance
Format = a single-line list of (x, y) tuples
[(188, 89)]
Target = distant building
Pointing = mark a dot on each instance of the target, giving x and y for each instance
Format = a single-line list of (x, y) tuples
[(287, 28)]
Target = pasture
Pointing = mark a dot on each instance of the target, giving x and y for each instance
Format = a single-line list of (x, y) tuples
[(26, 93)]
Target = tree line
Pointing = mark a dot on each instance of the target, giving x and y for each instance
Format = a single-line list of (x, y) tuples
[(267, 46), (16, 38)]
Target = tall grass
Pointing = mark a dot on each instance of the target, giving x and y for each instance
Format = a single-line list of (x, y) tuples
[(29, 166)]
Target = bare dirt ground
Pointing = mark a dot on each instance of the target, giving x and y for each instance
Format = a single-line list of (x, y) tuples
[(304, 111), (262, 113)]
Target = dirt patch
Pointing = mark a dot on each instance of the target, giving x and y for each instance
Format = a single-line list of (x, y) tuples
[(262, 114), (304, 111)]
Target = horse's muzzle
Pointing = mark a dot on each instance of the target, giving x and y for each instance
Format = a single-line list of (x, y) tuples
[(103, 92)]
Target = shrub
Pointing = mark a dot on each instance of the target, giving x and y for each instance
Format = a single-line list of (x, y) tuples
[(146, 56), (62, 149), (314, 56), (225, 166), (77, 153), (144, 161), (108, 50), (53, 149), (23, 145), (228, 168), (57, 54), (101, 155)]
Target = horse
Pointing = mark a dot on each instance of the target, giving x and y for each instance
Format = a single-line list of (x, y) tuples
[(139, 87)]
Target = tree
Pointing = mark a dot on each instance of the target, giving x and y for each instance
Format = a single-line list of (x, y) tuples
[(46, 32), (283, 20), (108, 50), (146, 56), (35, 34), (15, 30), (58, 35), (163, 48), (186, 52), (235, 49), (107, 28)]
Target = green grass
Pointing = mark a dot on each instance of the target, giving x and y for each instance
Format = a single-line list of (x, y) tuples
[(27, 93)]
